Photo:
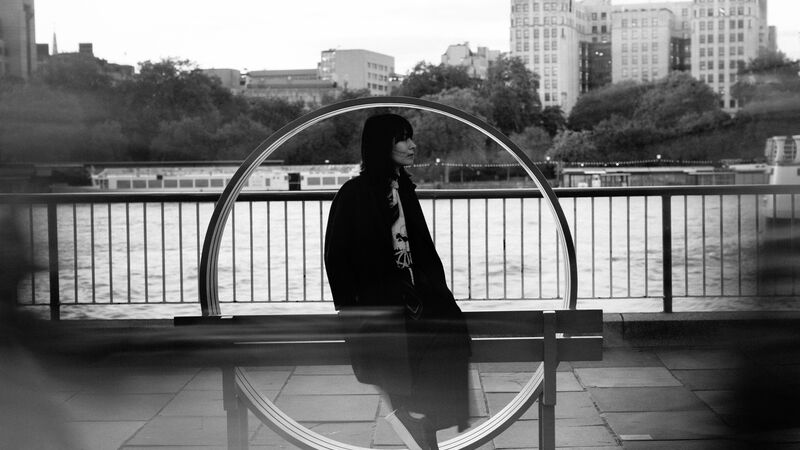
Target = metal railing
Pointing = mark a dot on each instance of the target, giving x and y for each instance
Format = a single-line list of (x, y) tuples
[(647, 242)]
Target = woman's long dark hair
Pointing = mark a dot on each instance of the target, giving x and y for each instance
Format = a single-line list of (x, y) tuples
[(380, 133)]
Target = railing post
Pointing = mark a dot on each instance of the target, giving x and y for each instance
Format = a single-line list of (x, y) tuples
[(52, 242), (666, 246)]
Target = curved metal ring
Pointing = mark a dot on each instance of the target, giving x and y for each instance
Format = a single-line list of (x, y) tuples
[(207, 277)]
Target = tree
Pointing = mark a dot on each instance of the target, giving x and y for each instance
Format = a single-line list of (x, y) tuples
[(619, 138), (75, 72), (667, 102), (593, 107), (274, 112), (172, 92), (769, 82), (534, 141), (553, 120), (449, 140), (512, 91), (573, 146), (428, 79)]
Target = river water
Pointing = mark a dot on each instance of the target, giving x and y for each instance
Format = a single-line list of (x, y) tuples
[(146, 256)]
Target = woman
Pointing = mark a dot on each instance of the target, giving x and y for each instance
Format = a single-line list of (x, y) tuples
[(405, 332)]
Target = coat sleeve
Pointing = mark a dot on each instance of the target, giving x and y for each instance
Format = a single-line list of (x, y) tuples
[(339, 248)]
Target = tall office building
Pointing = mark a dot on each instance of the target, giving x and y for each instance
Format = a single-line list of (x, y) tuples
[(357, 69), (576, 46), (17, 38), (726, 34), (650, 40)]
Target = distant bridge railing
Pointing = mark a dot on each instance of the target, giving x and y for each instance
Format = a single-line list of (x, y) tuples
[(656, 243)]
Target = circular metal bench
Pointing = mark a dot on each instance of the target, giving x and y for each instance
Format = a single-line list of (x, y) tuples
[(208, 292)]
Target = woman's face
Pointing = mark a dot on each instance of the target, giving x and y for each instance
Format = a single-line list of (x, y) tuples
[(403, 152)]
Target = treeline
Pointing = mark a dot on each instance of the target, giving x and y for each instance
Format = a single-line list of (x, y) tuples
[(680, 118), (76, 109)]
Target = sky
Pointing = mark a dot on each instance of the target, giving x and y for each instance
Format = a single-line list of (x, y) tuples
[(290, 34)]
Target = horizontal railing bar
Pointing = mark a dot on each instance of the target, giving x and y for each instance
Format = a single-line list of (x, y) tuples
[(139, 197)]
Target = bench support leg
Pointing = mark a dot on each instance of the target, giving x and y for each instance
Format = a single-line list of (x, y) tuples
[(547, 401), (235, 410)]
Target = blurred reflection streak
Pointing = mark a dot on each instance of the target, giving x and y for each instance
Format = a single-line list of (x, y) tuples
[(766, 406), (29, 416)]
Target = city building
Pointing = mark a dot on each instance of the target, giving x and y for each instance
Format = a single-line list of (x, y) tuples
[(86, 48), (477, 63), (650, 40), (357, 69), (292, 85), (229, 78), (577, 46), (18, 53), (726, 34)]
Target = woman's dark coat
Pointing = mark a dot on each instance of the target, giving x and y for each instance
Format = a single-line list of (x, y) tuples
[(401, 355)]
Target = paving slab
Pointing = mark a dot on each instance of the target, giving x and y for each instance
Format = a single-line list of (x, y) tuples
[(353, 433), (569, 405), (569, 433), (104, 435), (668, 425), (386, 437), (646, 399), (622, 357), (709, 379), (626, 377), (508, 367), (186, 431), (326, 385), (115, 381), (722, 402), (115, 407), (691, 358), (513, 382), (684, 445), (324, 370), (201, 403), (210, 379), (329, 408)]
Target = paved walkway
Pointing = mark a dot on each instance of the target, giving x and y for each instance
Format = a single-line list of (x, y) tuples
[(637, 398)]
